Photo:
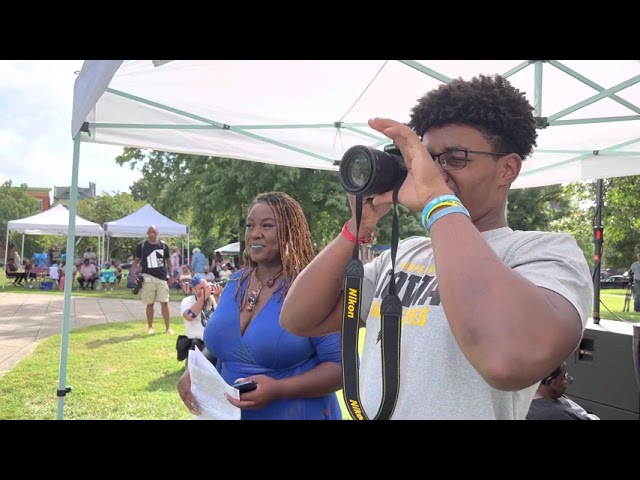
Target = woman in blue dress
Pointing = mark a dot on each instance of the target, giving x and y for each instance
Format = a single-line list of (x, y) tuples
[(297, 377)]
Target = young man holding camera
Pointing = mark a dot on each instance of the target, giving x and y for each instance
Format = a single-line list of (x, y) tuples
[(487, 311), (155, 257)]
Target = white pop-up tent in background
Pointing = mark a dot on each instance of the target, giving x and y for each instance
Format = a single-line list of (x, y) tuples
[(136, 224), (307, 113), (54, 221)]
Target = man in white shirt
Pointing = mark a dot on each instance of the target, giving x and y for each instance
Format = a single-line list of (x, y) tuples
[(196, 309)]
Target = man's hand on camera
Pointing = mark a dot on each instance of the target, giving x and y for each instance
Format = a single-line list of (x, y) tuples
[(206, 290), (424, 180)]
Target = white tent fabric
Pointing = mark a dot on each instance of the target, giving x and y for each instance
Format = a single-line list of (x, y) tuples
[(308, 113), (54, 221), (231, 249), (137, 224)]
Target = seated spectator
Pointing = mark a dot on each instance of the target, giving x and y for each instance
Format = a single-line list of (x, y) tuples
[(88, 274), (12, 271), (31, 272), (108, 276), (208, 275), (550, 402), (184, 280), (118, 269), (226, 272)]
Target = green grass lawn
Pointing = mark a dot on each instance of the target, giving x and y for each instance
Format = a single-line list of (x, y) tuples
[(612, 303), (117, 372)]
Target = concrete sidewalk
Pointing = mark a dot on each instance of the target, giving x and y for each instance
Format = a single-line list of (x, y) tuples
[(26, 319)]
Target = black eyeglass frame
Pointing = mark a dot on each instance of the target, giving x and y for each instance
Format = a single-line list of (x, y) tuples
[(436, 157)]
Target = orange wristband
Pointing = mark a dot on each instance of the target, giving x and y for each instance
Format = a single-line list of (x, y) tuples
[(352, 238)]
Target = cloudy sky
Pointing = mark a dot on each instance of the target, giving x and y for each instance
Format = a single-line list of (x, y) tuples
[(36, 148)]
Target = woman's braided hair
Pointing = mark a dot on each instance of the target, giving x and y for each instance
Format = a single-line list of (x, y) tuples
[(294, 238)]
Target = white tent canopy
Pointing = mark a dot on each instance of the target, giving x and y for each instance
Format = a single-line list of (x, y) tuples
[(54, 221), (231, 249), (137, 224), (308, 113)]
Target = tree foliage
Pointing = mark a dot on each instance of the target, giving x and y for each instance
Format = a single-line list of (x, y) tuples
[(16, 203)]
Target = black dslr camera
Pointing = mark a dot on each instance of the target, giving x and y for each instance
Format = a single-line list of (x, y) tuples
[(366, 171), (137, 286)]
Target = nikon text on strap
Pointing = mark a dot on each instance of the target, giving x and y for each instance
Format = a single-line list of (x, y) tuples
[(390, 313)]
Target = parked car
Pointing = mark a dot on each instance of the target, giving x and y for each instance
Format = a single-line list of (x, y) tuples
[(614, 281)]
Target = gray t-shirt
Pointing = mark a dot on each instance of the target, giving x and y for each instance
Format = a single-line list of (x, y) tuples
[(436, 379)]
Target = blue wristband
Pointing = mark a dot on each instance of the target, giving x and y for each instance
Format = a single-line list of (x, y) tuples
[(191, 314), (442, 198), (445, 211)]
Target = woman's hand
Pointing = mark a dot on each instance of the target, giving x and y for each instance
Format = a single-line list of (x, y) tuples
[(267, 391), (184, 389), (424, 179)]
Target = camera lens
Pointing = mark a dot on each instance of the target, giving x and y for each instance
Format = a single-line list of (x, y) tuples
[(366, 171), (360, 170)]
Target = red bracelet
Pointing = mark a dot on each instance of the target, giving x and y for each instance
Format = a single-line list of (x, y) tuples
[(352, 238)]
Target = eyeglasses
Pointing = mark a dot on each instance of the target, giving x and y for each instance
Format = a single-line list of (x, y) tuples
[(568, 378), (456, 159)]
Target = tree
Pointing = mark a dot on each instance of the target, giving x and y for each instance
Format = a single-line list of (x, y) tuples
[(212, 194), (536, 208), (16, 203), (620, 219)]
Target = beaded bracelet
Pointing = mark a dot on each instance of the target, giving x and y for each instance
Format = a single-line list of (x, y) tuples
[(352, 238), (429, 207), (445, 211)]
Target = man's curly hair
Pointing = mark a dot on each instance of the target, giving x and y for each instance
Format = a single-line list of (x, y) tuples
[(490, 104)]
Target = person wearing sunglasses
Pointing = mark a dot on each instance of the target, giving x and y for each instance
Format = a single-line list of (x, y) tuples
[(550, 402), (487, 311)]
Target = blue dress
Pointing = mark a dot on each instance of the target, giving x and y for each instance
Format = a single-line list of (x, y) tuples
[(267, 349)]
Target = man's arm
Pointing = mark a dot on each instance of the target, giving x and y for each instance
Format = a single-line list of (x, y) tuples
[(510, 330), (313, 306), (167, 256)]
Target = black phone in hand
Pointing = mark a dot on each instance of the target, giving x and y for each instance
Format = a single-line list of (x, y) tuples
[(244, 387)]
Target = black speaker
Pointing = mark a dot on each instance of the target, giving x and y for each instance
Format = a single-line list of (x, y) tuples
[(606, 372)]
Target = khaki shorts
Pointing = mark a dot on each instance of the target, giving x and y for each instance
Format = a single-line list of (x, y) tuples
[(154, 290)]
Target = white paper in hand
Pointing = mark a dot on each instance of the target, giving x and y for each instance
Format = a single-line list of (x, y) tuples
[(208, 388)]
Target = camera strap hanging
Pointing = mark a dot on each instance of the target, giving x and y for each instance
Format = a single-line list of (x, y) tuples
[(390, 313)]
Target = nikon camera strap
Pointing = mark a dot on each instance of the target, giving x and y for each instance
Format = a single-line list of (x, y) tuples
[(391, 314)]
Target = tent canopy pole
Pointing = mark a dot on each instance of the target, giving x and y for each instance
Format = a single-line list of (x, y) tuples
[(68, 284)]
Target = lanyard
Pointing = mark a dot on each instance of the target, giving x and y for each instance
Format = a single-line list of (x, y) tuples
[(391, 314)]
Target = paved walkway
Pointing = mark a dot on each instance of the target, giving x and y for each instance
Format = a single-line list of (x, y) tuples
[(26, 319)]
